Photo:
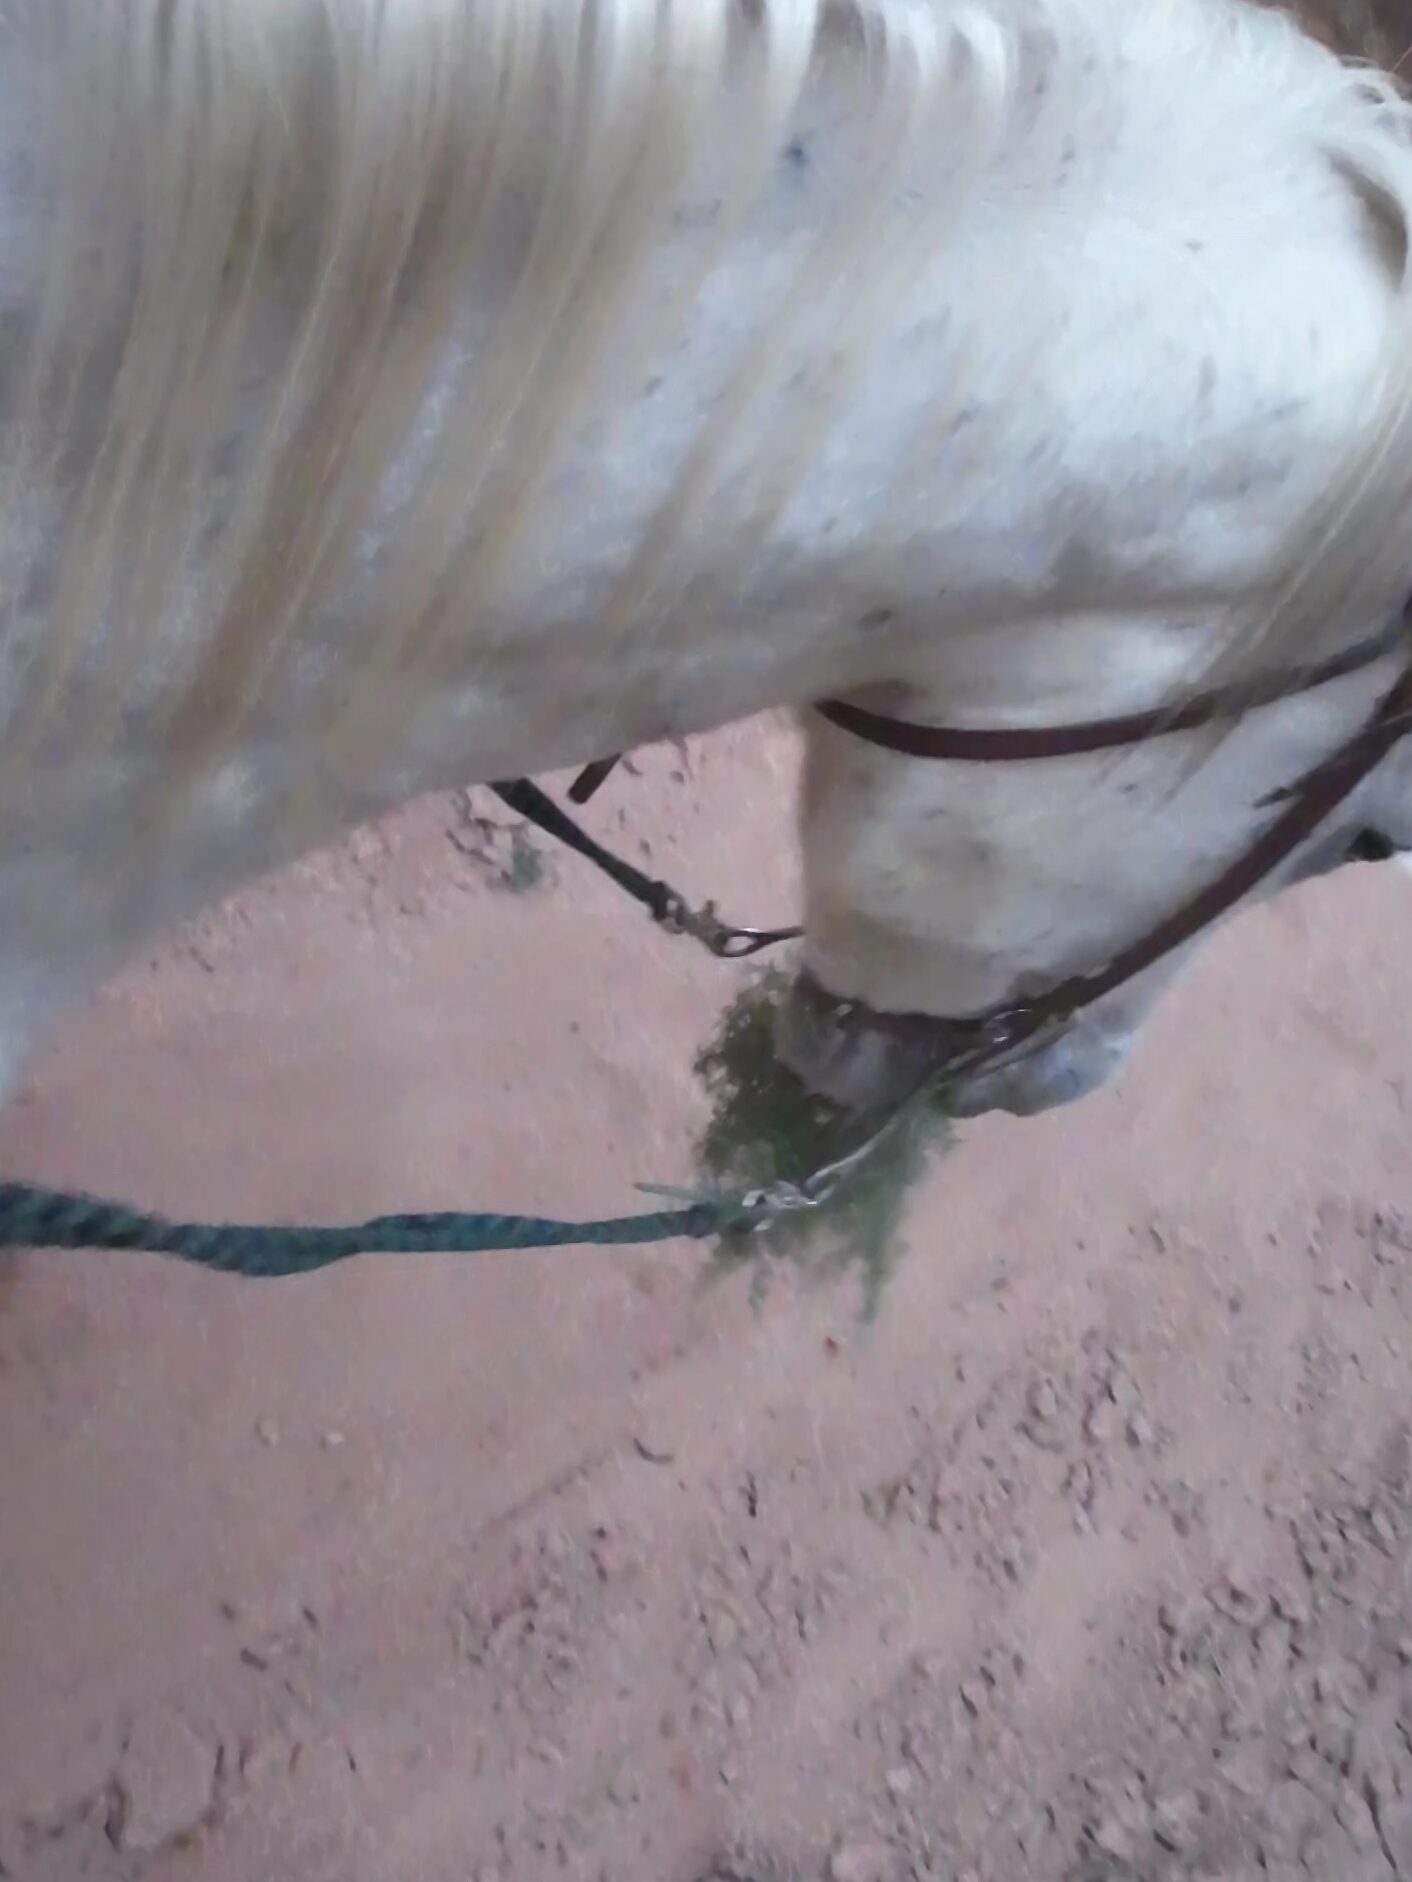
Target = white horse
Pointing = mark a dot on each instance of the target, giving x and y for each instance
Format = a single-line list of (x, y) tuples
[(402, 393)]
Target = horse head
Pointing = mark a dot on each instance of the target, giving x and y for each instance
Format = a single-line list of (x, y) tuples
[(999, 910)]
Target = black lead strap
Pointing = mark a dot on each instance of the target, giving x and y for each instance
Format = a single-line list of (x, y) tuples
[(538, 808), (664, 904), (588, 782)]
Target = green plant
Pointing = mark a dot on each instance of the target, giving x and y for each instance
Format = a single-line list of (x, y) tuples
[(766, 1128)]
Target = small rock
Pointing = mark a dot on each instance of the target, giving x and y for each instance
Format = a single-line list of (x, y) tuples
[(899, 1783), (332, 1440), (1354, 1814), (1274, 1644), (1395, 1828), (1140, 1432), (1290, 1811), (1104, 1421), (1122, 1389), (264, 1759), (1244, 1769), (1236, 1600), (1383, 1533), (1337, 1683), (860, 1862), (1291, 1599), (722, 1629), (165, 1782), (1174, 1820), (1404, 1650), (12, 1847), (1042, 1424), (1111, 1836), (1315, 1774), (267, 1431)]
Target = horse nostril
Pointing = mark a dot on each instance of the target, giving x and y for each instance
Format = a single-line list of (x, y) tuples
[(1371, 846)]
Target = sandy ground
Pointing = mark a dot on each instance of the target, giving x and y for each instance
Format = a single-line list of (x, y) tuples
[(1089, 1558)]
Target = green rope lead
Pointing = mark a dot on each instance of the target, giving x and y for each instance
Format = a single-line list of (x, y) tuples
[(34, 1217)]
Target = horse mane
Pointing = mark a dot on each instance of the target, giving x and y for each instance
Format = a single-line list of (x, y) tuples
[(1376, 31), (259, 222)]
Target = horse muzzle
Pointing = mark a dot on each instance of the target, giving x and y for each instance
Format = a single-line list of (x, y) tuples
[(868, 1062)]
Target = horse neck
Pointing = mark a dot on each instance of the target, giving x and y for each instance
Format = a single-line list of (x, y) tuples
[(728, 456)]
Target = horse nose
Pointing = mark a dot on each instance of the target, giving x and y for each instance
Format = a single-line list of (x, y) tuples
[(1072, 1066), (867, 1062), (839, 1051)]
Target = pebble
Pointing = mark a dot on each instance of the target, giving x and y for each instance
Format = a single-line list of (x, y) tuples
[(1174, 1820), (1291, 1600), (1236, 1600), (899, 1783), (1353, 1813), (1244, 1769), (1104, 1421), (165, 1782), (1395, 1827), (1042, 1423), (1122, 1389), (860, 1862), (267, 1431), (1177, 1618), (1290, 1811), (1337, 1684), (1384, 1534), (1111, 1836), (332, 1440), (1308, 1768)]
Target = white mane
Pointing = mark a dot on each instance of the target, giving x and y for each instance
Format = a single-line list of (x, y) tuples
[(258, 351)]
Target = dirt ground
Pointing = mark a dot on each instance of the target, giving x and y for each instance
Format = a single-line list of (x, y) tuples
[(1091, 1557)]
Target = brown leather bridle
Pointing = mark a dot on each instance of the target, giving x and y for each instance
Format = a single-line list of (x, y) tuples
[(985, 1040)]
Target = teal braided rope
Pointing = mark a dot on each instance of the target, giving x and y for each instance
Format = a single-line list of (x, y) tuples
[(34, 1217)]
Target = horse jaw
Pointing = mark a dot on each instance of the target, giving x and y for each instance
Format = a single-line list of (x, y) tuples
[(868, 1058)]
